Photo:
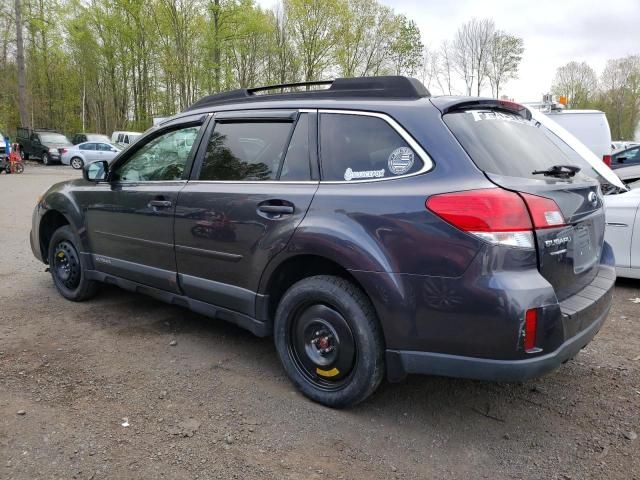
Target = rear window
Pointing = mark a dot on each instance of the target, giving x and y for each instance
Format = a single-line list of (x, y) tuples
[(361, 147), (507, 144)]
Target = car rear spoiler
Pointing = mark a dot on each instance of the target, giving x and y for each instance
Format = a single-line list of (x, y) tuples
[(455, 104)]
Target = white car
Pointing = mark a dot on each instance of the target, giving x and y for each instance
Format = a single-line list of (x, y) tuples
[(623, 231), (79, 155)]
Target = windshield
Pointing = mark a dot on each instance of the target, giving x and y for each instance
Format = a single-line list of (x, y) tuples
[(507, 144), (53, 138)]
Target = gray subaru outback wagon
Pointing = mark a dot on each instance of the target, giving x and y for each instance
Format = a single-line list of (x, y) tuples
[(370, 228)]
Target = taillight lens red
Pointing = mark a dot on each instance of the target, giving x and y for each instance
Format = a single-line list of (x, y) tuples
[(530, 329), (487, 210), (544, 211), (62, 151), (497, 215), (607, 160)]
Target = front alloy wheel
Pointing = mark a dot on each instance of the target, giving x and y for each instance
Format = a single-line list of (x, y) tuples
[(45, 159)]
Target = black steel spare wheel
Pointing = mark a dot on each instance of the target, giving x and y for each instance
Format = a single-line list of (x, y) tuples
[(322, 346), (66, 265)]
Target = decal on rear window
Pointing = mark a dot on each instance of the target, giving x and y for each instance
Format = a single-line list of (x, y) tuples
[(479, 115), (349, 174), (400, 161)]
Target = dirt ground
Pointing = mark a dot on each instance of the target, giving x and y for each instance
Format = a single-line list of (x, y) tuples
[(218, 405)]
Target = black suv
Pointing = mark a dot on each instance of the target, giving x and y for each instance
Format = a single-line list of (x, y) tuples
[(47, 145), (370, 228)]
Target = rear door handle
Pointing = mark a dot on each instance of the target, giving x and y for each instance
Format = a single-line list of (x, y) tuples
[(281, 209), (160, 203)]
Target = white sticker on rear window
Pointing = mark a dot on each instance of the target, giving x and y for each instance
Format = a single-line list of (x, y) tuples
[(400, 161), (349, 174), (479, 115)]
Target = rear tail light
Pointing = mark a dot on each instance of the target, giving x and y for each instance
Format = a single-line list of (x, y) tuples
[(530, 329), (607, 160), (496, 215), (544, 211), (62, 151)]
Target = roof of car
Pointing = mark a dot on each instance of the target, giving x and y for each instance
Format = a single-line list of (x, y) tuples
[(384, 87)]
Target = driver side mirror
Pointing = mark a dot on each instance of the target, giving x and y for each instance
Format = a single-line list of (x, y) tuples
[(96, 171)]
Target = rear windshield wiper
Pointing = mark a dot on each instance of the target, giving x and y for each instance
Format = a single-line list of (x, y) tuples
[(561, 171)]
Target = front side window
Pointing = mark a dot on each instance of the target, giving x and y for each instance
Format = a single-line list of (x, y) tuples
[(245, 151), (360, 147), (105, 147), (162, 158)]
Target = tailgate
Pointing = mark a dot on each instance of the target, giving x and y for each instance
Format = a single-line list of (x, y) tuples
[(509, 147)]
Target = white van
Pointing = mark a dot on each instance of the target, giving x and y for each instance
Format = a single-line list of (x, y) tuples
[(124, 138), (589, 126)]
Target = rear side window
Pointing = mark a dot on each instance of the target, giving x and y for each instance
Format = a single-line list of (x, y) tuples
[(88, 146), (507, 144), (360, 147), (245, 151)]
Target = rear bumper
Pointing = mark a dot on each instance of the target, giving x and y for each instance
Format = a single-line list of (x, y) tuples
[(582, 316), (400, 363)]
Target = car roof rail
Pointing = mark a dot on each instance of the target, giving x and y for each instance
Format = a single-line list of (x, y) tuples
[(387, 87)]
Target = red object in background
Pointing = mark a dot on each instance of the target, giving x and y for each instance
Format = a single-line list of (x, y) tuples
[(607, 160)]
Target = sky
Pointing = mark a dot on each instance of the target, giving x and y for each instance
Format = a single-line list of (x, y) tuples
[(554, 32)]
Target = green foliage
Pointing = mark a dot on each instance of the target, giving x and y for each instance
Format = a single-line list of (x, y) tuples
[(104, 65), (616, 92)]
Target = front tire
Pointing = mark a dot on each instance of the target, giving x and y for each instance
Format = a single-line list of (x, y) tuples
[(45, 159), (76, 163), (329, 341), (65, 265)]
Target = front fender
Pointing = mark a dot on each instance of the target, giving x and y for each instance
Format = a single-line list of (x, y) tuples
[(60, 199)]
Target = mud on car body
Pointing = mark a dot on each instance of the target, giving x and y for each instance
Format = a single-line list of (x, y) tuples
[(370, 228)]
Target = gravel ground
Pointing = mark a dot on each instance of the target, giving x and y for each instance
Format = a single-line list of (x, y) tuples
[(216, 404)]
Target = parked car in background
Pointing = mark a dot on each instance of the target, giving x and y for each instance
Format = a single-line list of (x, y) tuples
[(125, 138), (624, 158), (3, 146), (623, 229), (47, 145), (79, 155), (367, 227), (89, 137)]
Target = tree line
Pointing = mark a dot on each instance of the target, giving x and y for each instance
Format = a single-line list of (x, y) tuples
[(616, 91), (102, 65)]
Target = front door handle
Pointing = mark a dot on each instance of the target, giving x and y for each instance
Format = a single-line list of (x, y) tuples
[(160, 203), (277, 209)]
